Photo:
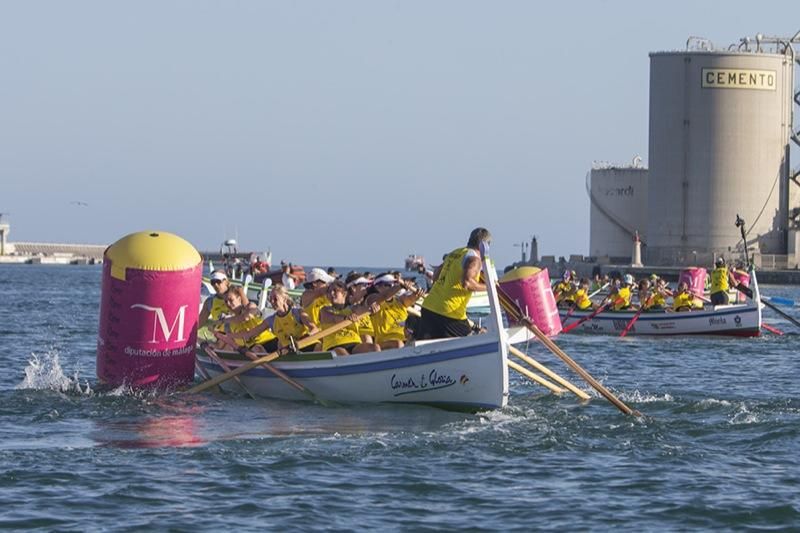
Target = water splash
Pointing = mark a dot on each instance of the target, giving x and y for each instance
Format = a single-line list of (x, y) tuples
[(45, 373), (642, 397)]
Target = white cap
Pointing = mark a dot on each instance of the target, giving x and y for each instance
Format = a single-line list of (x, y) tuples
[(218, 275), (361, 280), (628, 279), (317, 274), (386, 278)]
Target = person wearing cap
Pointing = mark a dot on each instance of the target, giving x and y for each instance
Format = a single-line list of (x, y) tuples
[(357, 287), (346, 340), (444, 310), (214, 307), (390, 320), (315, 297), (721, 280), (621, 296)]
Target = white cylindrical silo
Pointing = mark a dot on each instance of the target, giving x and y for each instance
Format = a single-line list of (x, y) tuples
[(720, 124), (618, 197)]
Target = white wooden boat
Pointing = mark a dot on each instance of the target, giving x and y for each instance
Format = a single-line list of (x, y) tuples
[(467, 373), (742, 320)]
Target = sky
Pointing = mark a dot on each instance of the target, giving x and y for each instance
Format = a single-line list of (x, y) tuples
[(332, 132)]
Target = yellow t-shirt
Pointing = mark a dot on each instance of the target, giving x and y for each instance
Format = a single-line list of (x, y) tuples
[(719, 279), (448, 297), (348, 335), (622, 299), (682, 300), (261, 338), (582, 300), (390, 321), (313, 308), (288, 325)]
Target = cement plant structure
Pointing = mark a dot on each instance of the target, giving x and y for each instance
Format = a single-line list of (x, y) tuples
[(720, 139)]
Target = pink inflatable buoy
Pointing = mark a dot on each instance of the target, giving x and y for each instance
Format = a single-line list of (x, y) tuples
[(530, 288), (742, 278), (695, 278), (148, 311)]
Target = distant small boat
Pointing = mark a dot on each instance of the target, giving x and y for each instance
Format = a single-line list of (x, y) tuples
[(414, 262), (743, 320)]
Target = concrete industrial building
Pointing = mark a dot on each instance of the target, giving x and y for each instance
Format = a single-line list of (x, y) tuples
[(720, 139)]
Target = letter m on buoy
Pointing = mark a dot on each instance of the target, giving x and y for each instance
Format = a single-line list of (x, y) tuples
[(160, 320)]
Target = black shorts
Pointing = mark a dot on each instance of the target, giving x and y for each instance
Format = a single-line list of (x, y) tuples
[(435, 326), (271, 346), (719, 298)]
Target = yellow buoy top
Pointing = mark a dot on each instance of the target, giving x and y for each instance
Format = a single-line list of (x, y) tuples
[(520, 273), (151, 250)]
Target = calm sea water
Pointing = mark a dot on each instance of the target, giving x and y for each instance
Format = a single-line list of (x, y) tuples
[(718, 447)]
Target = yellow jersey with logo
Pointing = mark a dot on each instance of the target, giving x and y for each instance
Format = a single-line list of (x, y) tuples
[(448, 297), (365, 326), (719, 279), (218, 308), (390, 321), (313, 308), (348, 335), (261, 338), (288, 325)]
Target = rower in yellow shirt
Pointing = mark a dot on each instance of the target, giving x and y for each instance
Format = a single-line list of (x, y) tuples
[(683, 299), (564, 290), (582, 301), (621, 296)]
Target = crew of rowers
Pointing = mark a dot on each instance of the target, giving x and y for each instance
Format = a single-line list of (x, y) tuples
[(376, 305), (652, 292)]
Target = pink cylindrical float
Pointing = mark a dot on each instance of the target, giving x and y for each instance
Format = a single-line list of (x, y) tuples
[(530, 288), (695, 278), (743, 278), (148, 311)]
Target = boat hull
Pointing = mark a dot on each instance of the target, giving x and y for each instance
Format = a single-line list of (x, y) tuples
[(464, 374), (735, 320)]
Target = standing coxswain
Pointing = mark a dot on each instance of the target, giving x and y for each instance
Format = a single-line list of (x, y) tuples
[(444, 311)]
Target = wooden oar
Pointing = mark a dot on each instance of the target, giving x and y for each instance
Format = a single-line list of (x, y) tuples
[(635, 317), (217, 359), (632, 322), (302, 343), (549, 373), (590, 316), (513, 310), (598, 291), (203, 372), (282, 375), (534, 377)]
